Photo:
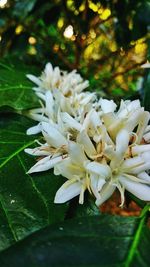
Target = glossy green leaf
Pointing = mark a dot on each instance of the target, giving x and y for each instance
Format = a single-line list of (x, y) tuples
[(26, 202), (15, 89), (95, 241)]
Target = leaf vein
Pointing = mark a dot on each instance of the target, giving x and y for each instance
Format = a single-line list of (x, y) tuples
[(35, 188)]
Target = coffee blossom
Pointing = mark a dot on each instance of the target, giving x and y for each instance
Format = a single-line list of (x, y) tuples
[(92, 143)]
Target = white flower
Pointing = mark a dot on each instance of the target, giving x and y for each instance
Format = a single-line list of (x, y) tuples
[(129, 116), (52, 152), (121, 166), (127, 168), (81, 174), (60, 91), (54, 78)]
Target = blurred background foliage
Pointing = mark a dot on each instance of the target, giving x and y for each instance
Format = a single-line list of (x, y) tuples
[(107, 41)]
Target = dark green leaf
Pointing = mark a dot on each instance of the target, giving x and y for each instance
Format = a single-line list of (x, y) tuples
[(95, 241), (26, 202), (88, 209), (15, 89), (147, 92)]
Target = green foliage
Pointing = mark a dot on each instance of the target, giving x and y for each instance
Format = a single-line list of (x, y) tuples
[(105, 44), (15, 88), (26, 202), (87, 241)]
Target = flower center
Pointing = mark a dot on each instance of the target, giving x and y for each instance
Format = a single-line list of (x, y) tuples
[(115, 171)]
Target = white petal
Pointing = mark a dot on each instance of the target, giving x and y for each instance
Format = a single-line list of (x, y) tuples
[(95, 119), (76, 153), (37, 117), (147, 129), (110, 120), (67, 169), (45, 164), (84, 139), (137, 149), (105, 193), (100, 184), (144, 118), (107, 105), (143, 167), (141, 191), (61, 126), (137, 164), (147, 137), (98, 168), (49, 104), (132, 162), (113, 124), (106, 136), (87, 99), (122, 141), (127, 106), (48, 69), (144, 176), (146, 156), (34, 79), (38, 151), (67, 192), (70, 122), (53, 136), (41, 95), (65, 105), (109, 151), (96, 184), (37, 110), (79, 88), (56, 76), (92, 119), (133, 119), (34, 130)]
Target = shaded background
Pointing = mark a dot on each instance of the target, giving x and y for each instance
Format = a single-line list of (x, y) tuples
[(107, 41)]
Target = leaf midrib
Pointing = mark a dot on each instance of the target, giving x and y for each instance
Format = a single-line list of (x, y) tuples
[(16, 153)]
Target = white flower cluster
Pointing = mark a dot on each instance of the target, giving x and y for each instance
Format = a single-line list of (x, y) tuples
[(95, 145)]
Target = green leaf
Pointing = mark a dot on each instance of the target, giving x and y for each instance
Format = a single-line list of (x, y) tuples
[(88, 209), (95, 241), (15, 89), (26, 202), (147, 92)]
